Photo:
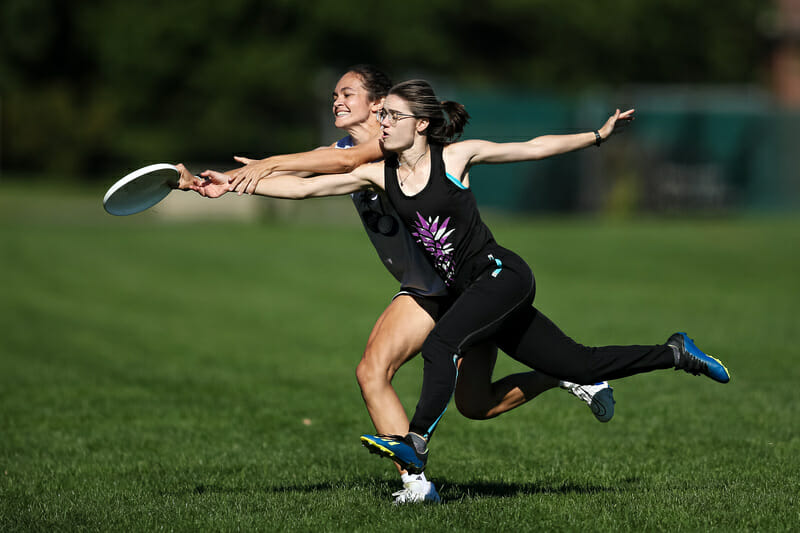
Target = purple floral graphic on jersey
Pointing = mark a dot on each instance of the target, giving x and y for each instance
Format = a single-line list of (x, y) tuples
[(433, 237)]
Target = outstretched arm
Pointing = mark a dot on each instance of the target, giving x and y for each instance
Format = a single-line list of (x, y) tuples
[(328, 160), (297, 188), (476, 151)]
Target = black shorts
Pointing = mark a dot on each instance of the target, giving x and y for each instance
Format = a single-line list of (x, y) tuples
[(435, 306)]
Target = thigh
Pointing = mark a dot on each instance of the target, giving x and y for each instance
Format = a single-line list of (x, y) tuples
[(399, 332), (479, 312)]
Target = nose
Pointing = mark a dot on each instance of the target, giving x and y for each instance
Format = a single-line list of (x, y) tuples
[(337, 101)]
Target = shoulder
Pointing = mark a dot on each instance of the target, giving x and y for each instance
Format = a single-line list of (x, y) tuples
[(369, 171), (372, 173), (469, 147), (472, 152), (344, 142), (460, 155)]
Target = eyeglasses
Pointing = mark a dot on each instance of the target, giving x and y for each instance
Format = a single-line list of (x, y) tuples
[(393, 115)]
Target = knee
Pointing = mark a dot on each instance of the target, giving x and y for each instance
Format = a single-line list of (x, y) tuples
[(471, 406), (373, 369), (436, 349)]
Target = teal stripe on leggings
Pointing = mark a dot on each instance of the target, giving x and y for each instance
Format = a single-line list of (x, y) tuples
[(427, 434)]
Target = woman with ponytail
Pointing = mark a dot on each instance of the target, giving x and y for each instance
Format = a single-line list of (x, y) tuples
[(401, 329), (426, 178)]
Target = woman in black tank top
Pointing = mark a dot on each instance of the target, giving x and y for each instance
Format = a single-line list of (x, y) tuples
[(427, 181)]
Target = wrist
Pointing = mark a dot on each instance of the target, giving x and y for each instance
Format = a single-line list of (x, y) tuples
[(598, 139)]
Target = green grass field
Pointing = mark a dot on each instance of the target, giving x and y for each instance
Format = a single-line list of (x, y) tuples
[(157, 376)]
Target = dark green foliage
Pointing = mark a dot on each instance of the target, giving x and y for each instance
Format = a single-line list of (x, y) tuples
[(89, 86)]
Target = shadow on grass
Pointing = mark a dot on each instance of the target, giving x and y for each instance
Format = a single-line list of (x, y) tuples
[(490, 489), (450, 490)]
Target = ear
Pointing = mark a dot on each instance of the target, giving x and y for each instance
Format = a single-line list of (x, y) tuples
[(377, 105), (422, 124)]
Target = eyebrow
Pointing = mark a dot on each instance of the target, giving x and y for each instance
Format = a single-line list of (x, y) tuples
[(345, 89)]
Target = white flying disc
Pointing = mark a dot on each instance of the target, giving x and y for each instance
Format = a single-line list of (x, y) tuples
[(141, 189)]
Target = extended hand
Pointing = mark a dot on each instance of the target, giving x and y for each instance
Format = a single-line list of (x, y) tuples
[(187, 180), (215, 184), (246, 178), (616, 120)]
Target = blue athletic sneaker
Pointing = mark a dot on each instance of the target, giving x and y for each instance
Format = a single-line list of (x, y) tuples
[(693, 360), (410, 452)]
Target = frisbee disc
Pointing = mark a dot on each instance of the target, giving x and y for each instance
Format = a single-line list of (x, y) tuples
[(141, 189)]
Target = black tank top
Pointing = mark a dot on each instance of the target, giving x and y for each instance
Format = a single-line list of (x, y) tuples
[(443, 217)]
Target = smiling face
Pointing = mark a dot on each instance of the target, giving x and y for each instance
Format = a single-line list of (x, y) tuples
[(399, 134), (351, 103)]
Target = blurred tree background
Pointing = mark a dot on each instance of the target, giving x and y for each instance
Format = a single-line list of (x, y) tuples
[(90, 86)]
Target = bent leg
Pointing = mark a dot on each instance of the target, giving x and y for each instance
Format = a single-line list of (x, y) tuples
[(397, 336), (474, 318), (478, 398)]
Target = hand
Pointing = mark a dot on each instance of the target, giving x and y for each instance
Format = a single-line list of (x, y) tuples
[(246, 178), (214, 185), (617, 120), (187, 180)]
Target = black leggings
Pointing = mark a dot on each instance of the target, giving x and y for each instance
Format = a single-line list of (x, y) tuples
[(497, 305)]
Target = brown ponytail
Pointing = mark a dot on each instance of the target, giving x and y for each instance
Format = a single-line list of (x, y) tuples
[(457, 118)]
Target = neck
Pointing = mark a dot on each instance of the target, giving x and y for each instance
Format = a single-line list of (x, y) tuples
[(413, 154), (364, 131)]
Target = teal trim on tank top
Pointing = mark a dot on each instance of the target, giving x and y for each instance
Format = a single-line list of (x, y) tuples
[(454, 180)]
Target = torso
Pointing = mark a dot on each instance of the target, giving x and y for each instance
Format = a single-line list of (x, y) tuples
[(441, 214)]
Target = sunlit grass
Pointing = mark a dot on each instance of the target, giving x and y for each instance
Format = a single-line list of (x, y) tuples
[(201, 376)]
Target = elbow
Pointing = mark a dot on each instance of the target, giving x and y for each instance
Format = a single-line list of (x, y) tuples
[(301, 194), (538, 153), (349, 162), (349, 165), (286, 188), (306, 188), (543, 153)]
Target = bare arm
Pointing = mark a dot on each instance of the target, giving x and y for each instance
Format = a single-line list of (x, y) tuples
[(328, 160), (476, 151), (297, 188), (189, 182)]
